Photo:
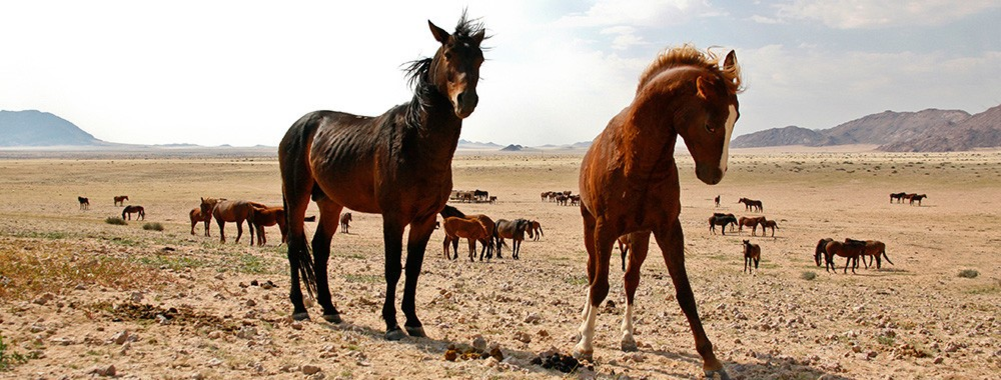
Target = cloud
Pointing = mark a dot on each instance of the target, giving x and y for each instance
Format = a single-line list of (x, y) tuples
[(874, 14), (625, 37), (645, 13)]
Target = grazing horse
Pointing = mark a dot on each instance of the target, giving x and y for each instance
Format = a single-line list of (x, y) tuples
[(720, 219), (534, 230), (488, 224), (629, 180), (267, 217), (917, 197), (345, 222), (196, 216), (397, 164), (130, 209), (717, 201), (84, 203), (752, 252), (851, 251), (472, 229), (874, 249), (120, 200), (514, 230), (752, 222), (768, 224), (234, 211), (822, 250), (898, 196), (751, 205)]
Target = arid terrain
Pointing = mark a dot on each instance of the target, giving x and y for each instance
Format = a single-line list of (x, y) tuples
[(81, 298)]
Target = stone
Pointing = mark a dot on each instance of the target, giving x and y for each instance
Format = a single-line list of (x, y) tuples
[(310, 369)]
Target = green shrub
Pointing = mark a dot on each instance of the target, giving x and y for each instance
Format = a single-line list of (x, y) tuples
[(808, 275), (153, 226), (9, 359), (115, 220), (968, 273)]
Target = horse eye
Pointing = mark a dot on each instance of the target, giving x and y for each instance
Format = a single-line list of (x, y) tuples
[(710, 128), (448, 55)]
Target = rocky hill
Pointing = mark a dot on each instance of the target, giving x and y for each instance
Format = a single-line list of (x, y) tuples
[(982, 130), (883, 128), (36, 128)]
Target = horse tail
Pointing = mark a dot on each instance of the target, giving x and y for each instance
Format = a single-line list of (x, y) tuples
[(887, 257), (298, 184)]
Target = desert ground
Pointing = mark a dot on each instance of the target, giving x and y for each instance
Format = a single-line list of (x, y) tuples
[(81, 298)]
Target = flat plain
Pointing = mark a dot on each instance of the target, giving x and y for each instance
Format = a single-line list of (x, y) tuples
[(79, 295)]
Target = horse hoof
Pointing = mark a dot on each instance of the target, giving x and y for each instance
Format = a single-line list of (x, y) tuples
[(629, 346), (333, 318), (395, 334), (300, 316), (581, 354), (721, 372), (416, 332)]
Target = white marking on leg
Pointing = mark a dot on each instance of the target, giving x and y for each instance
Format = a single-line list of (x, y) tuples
[(731, 119), (627, 328), (585, 348)]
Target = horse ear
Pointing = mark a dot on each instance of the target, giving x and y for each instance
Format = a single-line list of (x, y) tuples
[(439, 34), (731, 60), (702, 88), (479, 36)]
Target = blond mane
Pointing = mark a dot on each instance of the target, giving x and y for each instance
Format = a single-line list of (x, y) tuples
[(688, 55)]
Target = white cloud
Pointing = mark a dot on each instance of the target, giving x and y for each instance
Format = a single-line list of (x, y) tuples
[(625, 37), (646, 13), (868, 14)]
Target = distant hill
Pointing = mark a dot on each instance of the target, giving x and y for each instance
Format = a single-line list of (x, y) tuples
[(36, 128), (883, 128), (463, 144), (513, 148), (982, 130)]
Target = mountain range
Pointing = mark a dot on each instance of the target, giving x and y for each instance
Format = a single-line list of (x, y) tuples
[(36, 128), (931, 130)]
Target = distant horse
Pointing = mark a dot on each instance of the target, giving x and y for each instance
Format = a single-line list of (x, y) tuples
[(488, 224), (821, 250), (84, 203), (234, 211), (472, 229), (534, 230), (769, 224), (130, 209), (898, 196), (481, 195), (629, 180), (717, 201), (917, 197), (514, 230), (196, 216), (850, 251), (752, 222), (267, 217), (875, 249), (545, 195), (345, 222), (752, 252), (120, 200), (397, 164), (751, 205), (206, 207), (720, 219)]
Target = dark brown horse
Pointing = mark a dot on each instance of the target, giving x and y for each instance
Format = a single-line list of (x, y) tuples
[(717, 201), (918, 198), (488, 225), (345, 222), (752, 252), (84, 203), (751, 205), (821, 251), (769, 224), (130, 209), (850, 251), (898, 196), (514, 230), (267, 217), (629, 180), (196, 216), (120, 200), (874, 249), (397, 164), (720, 219), (470, 228)]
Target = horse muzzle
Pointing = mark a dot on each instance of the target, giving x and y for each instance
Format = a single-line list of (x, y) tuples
[(465, 103), (711, 175)]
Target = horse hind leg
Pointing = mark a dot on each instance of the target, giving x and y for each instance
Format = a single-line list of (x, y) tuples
[(325, 230), (631, 279), (598, 257)]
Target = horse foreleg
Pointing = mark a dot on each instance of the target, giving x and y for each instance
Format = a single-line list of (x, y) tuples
[(631, 279), (222, 231), (420, 233), (671, 240), (472, 249), (392, 236)]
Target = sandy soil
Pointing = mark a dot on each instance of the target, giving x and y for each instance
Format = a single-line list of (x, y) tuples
[(78, 295)]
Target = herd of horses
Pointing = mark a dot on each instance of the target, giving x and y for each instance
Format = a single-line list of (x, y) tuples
[(909, 197), (490, 234), (257, 215), (852, 250), (563, 198), (724, 220), (119, 200), (475, 196)]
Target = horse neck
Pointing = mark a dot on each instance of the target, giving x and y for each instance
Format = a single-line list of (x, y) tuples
[(649, 136), (433, 140)]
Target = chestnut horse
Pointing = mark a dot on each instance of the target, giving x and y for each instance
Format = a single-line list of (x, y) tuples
[(231, 211), (874, 249), (267, 217), (472, 229), (397, 164), (629, 180), (849, 250), (120, 200), (768, 224), (196, 216), (534, 230), (752, 222), (752, 252), (345, 222), (488, 224), (130, 209)]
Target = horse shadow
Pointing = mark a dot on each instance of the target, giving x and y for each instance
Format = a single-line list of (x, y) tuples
[(771, 366)]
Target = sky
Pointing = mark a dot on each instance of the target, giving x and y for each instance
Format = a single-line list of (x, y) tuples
[(240, 72)]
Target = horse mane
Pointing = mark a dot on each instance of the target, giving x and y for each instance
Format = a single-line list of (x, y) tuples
[(688, 55)]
